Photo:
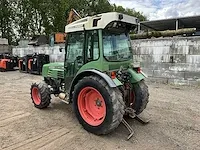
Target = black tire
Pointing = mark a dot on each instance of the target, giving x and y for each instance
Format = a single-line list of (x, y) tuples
[(2, 70), (113, 101), (45, 96), (141, 94)]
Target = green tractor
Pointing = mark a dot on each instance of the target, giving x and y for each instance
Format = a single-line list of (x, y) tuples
[(98, 75)]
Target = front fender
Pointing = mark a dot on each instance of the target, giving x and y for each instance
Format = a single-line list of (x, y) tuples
[(135, 77)]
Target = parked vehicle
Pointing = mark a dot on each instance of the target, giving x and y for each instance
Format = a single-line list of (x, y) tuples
[(98, 75), (7, 62), (36, 63), (23, 63)]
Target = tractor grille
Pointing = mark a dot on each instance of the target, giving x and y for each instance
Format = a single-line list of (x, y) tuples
[(60, 74), (49, 73)]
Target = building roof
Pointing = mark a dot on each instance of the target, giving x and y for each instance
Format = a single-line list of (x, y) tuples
[(170, 24), (99, 21)]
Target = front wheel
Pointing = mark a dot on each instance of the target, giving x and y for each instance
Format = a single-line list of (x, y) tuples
[(40, 94), (98, 107)]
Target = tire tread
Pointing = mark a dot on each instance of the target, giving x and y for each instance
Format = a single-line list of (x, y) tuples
[(116, 100), (44, 93)]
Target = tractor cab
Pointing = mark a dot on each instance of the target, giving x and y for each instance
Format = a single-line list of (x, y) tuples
[(99, 42)]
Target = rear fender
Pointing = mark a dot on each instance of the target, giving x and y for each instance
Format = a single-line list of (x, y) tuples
[(136, 77), (111, 82)]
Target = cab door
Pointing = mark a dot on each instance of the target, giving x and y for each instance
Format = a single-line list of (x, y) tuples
[(91, 46), (74, 56)]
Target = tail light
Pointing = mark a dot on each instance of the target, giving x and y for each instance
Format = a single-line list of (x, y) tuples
[(113, 75), (139, 70)]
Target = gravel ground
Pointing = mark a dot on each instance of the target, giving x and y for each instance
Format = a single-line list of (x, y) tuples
[(174, 114)]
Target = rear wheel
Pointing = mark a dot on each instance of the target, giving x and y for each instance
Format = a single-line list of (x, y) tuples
[(141, 96), (40, 94), (98, 107)]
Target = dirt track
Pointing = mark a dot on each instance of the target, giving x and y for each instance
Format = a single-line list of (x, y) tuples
[(174, 113)]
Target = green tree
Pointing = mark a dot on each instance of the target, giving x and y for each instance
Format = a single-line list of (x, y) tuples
[(7, 20), (96, 6), (33, 17), (130, 12), (24, 18)]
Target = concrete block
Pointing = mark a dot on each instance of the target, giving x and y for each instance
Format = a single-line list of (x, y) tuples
[(184, 82), (151, 42), (164, 50), (156, 66), (194, 50), (176, 49), (161, 66), (192, 75), (168, 74), (4, 48), (3, 41), (142, 58), (193, 59), (23, 43), (180, 41), (178, 82), (193, 41), (54, 52), (157, 80), (178, 58), (148, 72), (161, 58), (185, 67), (176, 67)]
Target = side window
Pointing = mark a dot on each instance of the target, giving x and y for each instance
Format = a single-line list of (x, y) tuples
[(75, 46), (92, 46), (96, 47)]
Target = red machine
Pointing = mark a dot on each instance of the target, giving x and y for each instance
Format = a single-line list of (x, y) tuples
[(7, 62)]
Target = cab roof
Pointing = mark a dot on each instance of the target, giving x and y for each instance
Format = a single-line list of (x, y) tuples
[(99, 21)]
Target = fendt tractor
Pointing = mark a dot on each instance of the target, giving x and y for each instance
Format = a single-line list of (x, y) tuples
[(98, 75)]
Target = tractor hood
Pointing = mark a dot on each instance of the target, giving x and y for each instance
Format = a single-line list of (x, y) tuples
[(57, 65), (53, 70)]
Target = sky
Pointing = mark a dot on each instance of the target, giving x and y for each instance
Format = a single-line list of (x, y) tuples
[(162, 9)]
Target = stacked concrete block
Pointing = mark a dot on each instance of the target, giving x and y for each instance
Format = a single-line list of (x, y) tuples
[(58, 53), (4, 47), (172, 59), (54, 52)]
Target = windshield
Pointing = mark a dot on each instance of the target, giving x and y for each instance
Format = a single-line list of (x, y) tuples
[(117, 47)]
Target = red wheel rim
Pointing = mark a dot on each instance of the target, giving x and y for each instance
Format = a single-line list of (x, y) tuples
[(36, 96), (91, 106)]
